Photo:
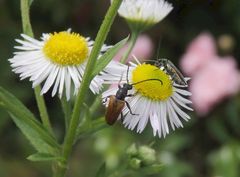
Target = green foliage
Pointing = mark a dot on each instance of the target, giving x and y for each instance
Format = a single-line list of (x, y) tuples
[(42, 141), (30, 2), (151, 170), (44, 157), (102, 171), (218, 129), (107, 57), (147, 154), (226, 161), (89, 127)]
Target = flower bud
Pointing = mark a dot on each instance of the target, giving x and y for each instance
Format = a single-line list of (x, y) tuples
[(132, 150), (147, 155), (135, 163)]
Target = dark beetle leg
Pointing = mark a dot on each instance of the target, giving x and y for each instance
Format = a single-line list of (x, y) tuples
[(128, 106), (105, 99), (130, 95), (121, 117)]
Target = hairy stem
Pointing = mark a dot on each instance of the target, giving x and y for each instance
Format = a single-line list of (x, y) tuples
[(101, 36), (132, 41), (66, 106), (131, 44)]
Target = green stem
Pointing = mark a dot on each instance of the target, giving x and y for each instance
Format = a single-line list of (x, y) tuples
[(131, 44), (101, 36), (89, 128), (27, 29), (58, 170), (96, 104), (132, 41), (66, 106), (42, 109)]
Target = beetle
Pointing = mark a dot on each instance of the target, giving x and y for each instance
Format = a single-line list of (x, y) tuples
[(117, 102), (167, 66)]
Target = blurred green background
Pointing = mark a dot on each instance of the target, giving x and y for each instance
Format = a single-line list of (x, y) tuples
[(205, 147)]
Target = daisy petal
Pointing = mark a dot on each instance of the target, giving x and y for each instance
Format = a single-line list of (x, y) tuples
[(159, 104), (56, 60)]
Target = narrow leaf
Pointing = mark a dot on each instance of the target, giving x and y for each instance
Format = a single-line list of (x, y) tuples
[(101, 171), (87, 128), (37, 137), (30, 2), (151, 170), (44, 157), (34, 131), (108, 56)]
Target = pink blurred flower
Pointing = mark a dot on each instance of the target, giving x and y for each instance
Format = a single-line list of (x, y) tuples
[(143, 49), (215, 81), (213, 77), (200, 51)]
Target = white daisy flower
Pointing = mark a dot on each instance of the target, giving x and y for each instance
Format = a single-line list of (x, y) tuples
[(58, 60), (142, 14), (158, 101)]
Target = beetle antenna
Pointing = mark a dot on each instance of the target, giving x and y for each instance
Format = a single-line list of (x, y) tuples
[(127, 74), (120, 79), (158, 51), (154, 61), (147, 80), (159, 46)]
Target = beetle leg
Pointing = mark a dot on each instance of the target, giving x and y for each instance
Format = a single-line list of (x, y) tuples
[(104, 100), (130, 95), (121, 117), (128, 106)]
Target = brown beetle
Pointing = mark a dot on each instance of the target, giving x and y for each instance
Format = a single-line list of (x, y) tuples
[(117, 102), (115, 108)]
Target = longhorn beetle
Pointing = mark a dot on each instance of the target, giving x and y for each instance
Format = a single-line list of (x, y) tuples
[(167, 66), (117, 102)]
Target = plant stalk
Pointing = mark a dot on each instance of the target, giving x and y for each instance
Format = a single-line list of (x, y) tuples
[(101, 36), (27, 29), (131, 44), (66, 106)]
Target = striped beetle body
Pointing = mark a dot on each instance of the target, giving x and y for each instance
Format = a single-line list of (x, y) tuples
[(167, 66)]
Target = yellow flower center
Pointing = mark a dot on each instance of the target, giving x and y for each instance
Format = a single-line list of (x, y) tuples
[(159, 89), (66, 48)]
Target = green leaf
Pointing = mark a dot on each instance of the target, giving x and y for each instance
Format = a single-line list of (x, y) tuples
[(218, 129), (150, 170), (102, 171), (30, 2), (44, 157), (88, 128), (232, 111), (107, 57), (33, 130), (86, 113), (224, 161)]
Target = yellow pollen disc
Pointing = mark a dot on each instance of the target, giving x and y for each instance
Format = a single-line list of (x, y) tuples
[(152, 89), (66, 48)]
